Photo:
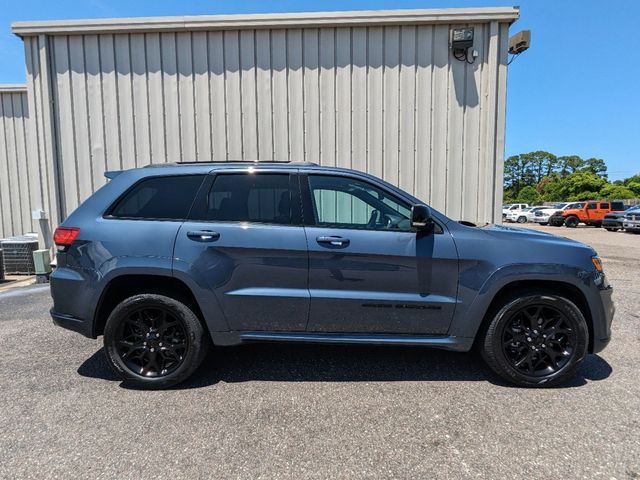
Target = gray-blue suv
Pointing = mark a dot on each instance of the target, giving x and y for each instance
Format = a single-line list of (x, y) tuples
[(166, 261)]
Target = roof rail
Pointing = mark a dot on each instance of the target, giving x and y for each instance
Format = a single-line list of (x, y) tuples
[(254, 162)]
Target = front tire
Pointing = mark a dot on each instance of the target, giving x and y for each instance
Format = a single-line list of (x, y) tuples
[(522, 220), (153, 341), (572, 222), (536, 340)]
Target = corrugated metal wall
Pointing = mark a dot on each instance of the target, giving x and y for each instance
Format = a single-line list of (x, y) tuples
[(19, 172), (389, 100)]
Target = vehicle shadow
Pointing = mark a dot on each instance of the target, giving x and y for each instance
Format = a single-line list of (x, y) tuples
[(341, 363)]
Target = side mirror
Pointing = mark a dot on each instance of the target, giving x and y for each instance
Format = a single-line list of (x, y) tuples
[(421, 218)]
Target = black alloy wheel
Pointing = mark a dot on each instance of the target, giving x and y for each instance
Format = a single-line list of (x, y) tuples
[(152, 342), (538, 340)]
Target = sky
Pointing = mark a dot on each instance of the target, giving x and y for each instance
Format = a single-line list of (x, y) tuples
[(576, 91)]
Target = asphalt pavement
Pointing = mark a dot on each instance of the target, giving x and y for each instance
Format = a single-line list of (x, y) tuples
[(297, 411)]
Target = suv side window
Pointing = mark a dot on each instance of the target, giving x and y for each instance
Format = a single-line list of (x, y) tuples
[(592, 206), (604, 205), (248, 197), (159, 198), (343, 202), (617, 206)]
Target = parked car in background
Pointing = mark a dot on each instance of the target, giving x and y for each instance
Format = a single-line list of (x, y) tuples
[(522, 216), (285, 252), (590, 213), (542, 215), (631, 221), (509, 207), (614, 221)]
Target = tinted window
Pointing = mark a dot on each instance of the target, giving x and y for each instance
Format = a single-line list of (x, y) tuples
[(617, 206), (263, 198), (591, 206), (343, 202), (159, 198), (604, 205)]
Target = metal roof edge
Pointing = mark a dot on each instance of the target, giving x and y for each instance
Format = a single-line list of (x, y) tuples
[(11, 88), (267, 20)]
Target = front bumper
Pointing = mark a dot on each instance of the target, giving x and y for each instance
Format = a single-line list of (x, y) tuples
[(556, 220), (631, 225), (612, 223), (602, 320), (541, 218)]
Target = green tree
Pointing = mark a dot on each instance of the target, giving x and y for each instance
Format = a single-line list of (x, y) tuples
[(595, 165), (528, 169), (616, 192), (528, 195), (569, 164)]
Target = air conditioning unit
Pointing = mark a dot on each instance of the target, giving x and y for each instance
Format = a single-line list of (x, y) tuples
[(18, 254)]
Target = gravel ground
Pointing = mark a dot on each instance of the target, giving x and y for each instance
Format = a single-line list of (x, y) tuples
[(293, 411)]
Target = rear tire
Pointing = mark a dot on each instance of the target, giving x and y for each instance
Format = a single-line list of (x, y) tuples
[(522, 220), (153, 341), (536, 339), (571, 222)]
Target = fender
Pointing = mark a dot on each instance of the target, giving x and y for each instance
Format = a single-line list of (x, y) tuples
[(474, 300)]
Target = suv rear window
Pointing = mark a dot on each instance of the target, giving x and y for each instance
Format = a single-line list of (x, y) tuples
[(260, 198), (159, 198), (604, 205)]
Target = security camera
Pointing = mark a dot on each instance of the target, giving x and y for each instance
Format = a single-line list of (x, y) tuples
[(520, 42)]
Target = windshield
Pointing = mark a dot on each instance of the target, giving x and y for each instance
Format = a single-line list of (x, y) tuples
[(558, 205)]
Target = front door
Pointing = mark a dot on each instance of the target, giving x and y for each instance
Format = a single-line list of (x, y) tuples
[(368, 271), (244, 241)]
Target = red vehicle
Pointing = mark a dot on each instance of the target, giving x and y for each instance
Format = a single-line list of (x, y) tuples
[(591, 212)]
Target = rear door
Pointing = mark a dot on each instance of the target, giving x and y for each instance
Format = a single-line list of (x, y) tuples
[(244, 241), (368, 271)]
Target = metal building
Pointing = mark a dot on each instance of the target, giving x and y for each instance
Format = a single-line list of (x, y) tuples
[(379, 91)]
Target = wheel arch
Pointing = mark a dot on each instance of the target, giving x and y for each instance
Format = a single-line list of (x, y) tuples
[(567, 290), (123, 286)]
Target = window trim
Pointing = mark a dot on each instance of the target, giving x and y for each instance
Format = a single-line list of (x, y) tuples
[(308, 203), (108, 215), (200, 201)]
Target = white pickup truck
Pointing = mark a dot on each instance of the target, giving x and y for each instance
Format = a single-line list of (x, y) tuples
[(522, 216), (510, 207)]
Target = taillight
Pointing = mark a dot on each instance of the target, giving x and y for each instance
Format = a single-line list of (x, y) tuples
[(64, 236)]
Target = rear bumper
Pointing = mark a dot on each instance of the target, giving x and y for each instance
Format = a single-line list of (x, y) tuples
[(73, 300), (72, 323)]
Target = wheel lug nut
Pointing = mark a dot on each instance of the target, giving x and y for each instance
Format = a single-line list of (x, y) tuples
[(152, 349), (160, 344), (544, 346), (144, 343), (528, 339)]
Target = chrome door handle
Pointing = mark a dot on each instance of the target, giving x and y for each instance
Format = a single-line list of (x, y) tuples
[(203, 235), (333, 241)]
